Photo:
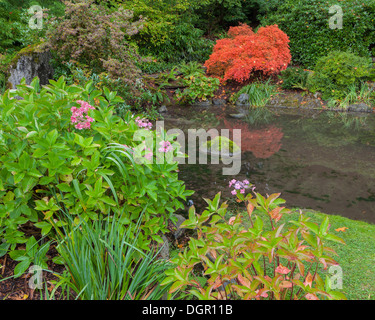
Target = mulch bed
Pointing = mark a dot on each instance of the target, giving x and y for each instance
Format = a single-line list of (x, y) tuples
[(19, 288)]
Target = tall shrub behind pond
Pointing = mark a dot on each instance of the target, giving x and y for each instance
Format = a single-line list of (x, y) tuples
[(306, 22)]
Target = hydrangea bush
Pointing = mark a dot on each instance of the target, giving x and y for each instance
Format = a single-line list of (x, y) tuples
[(63, 149)]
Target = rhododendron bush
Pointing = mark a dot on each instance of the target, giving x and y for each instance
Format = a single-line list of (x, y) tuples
[(245, 52), (64, 151)]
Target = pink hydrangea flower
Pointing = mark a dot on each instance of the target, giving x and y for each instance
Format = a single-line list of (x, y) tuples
[(80, 115)]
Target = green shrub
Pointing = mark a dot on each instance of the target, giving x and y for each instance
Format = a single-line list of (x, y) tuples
[(92, 36), (306, 22), (15, 33), (218, 15), (182, 42), (293, 77), (14, 24), (187, 69), (169, 34), (232, 260), (199, 87), (52, 159), (335, 73)]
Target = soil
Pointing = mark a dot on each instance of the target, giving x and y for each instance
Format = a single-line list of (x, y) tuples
[(19, 289)]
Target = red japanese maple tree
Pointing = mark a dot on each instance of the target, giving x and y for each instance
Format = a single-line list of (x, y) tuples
[(237, 57)]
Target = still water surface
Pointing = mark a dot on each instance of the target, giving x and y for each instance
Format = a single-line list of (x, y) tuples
[(319, 160)]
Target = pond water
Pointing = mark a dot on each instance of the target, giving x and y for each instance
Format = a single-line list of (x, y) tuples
[(319, 160)]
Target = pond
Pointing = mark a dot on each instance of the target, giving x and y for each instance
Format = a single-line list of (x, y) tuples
[(318, 160)]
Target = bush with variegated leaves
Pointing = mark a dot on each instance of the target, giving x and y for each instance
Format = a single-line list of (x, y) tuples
[(231, 259)]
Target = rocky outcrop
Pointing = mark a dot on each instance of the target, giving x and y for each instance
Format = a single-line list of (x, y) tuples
[(29, 63)]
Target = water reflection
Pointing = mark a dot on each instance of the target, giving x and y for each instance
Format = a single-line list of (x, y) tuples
[(319, 160)]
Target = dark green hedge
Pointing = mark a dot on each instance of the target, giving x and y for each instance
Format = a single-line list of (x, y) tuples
[(306, 22)]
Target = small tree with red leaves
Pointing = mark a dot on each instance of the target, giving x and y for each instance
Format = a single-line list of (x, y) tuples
[(245, 52)]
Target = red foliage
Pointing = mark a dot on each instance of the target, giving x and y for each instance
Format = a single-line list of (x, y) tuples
[(242, 30), (237, 57), (262, 142)]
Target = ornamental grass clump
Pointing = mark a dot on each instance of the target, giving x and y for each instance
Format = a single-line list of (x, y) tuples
[(104, 262)]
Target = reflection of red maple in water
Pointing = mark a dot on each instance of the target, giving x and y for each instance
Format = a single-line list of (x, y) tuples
[(263, 143)]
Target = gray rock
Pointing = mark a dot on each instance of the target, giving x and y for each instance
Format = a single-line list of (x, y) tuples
[(317, 95), (163, 109), (360, 107), (203, 103), (179, 231), (164, 250), (238, 115), (243, 100), (30, 65), (218, 102)]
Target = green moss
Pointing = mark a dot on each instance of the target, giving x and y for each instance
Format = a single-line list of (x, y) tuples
[(222, 143), (27, 51)]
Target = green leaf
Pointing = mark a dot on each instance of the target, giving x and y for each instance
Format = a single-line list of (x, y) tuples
[(334, 238), (41, 205), (45, 226), (21, 268), (46, 180), (324, 227), (64, 187), (108, 200)]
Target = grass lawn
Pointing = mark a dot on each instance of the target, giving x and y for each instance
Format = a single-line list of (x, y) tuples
[(356, 257)]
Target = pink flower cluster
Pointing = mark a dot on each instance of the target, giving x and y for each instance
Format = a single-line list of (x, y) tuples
[(80, 117), (165, 146), (143, 123), (238, 185)]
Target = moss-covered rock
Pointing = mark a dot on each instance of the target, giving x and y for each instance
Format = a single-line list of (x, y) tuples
[(32, 61)]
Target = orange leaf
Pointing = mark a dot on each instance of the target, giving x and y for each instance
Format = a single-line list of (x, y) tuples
[(282, 270), (275, 213), (285, 284), (231, 220), (217, 283), (245, 282), (343, 229), (308, 280), (249, 209)]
